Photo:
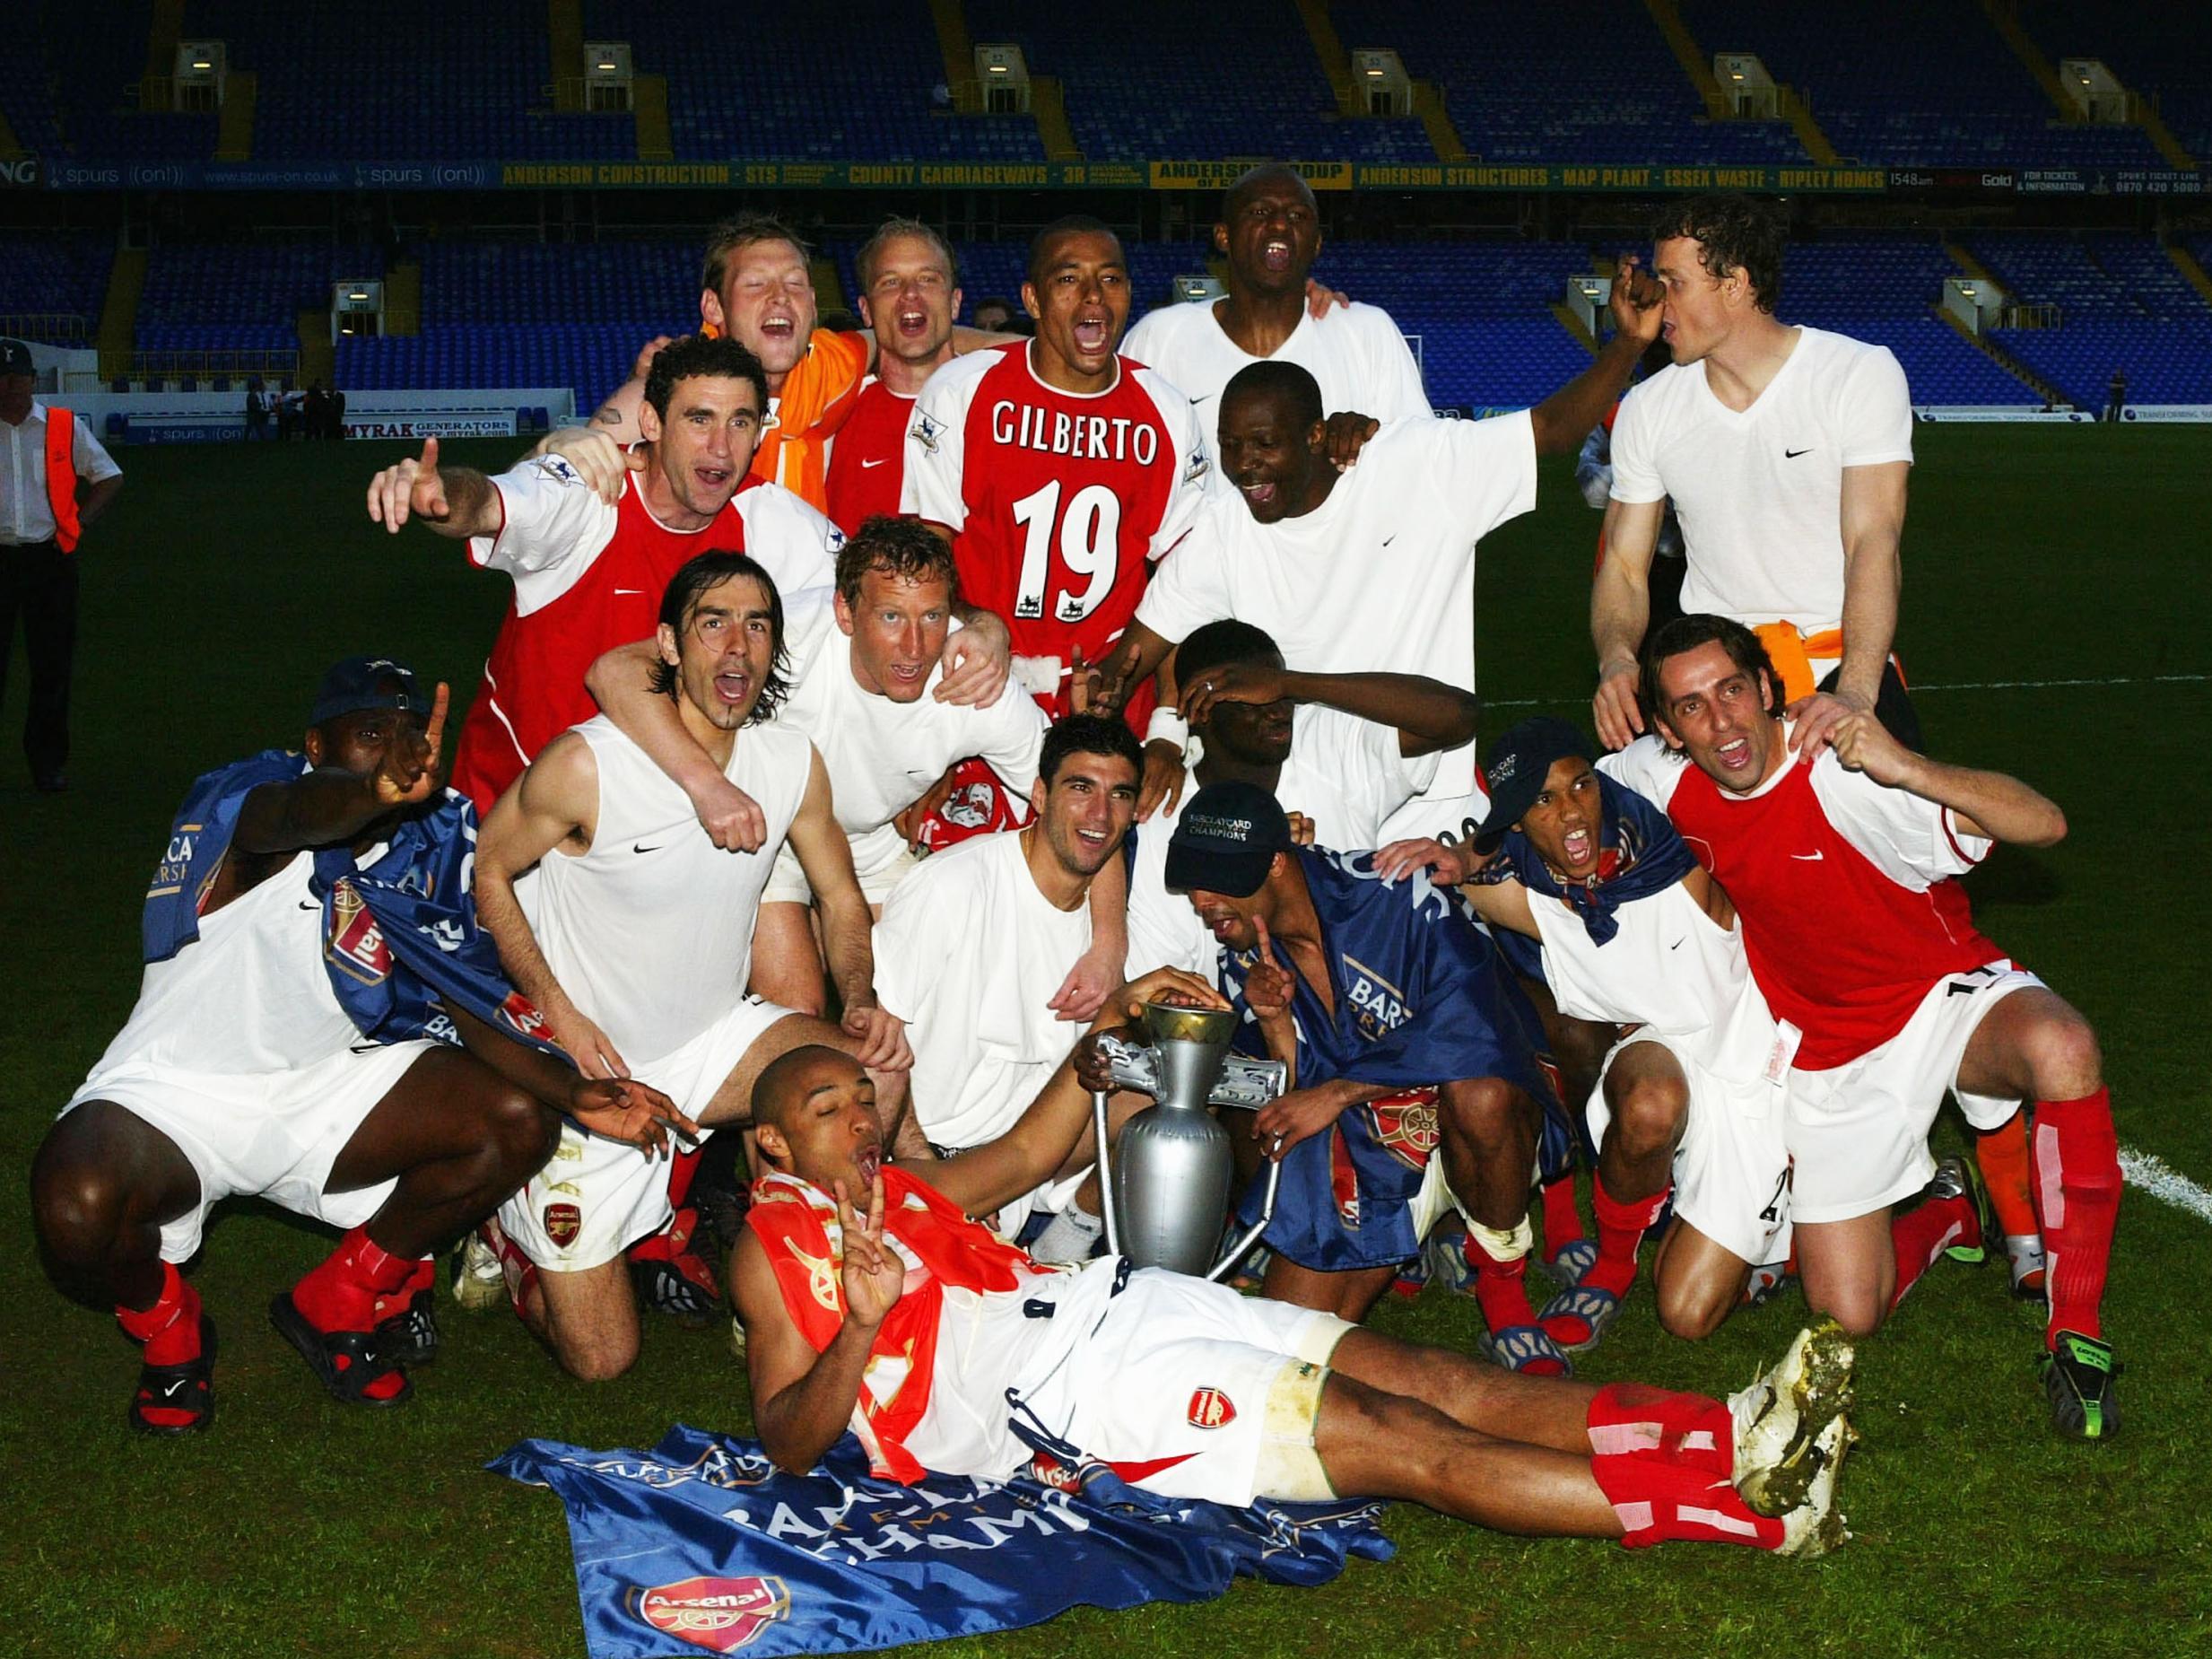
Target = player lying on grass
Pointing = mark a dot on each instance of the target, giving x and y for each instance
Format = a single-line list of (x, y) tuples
[(281, 1049), (633, 931), (873, 1303), (1417, 1078), (1843, 872), (1635, 932)]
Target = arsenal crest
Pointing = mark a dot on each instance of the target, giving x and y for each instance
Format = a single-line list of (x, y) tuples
[(1211, 1409), (719, 1614), (356, 943), (1406, 1126), (563, 1222)]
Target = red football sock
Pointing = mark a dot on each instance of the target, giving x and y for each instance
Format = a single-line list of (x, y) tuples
[(421, 1276), (169, 1330), (340, 1294), (1502, 1289), (1562, 1222), (1636, 1419), (2002, 1154), (1923, 1234), (683, 1170), (1621, 1227), (671, 1242), (1658, 1502), (2077, 1180)]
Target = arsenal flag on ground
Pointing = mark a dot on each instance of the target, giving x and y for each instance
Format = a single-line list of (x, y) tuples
[(701, 1545)]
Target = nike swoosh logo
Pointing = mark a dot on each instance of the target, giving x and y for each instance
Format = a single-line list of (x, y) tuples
[(864, 466), (1676, 946), (1791, 455), (1388, 540), (173, 1387), (310, 904), (1195, 402), (639, 846), (629, 590), (1810, 857)]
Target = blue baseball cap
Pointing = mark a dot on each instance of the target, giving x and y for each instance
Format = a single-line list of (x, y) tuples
[(1516, 765), (360, 683)]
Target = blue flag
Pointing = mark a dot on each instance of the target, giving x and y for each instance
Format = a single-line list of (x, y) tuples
[(702, 1544), (400, 939)]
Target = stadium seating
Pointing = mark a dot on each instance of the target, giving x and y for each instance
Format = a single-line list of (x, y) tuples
[(2159, 47), (1170, 80), (847, 79), (2122, 305), (406, 81), (61, 280), (240, 296), (1574, 80), (1933, 86)]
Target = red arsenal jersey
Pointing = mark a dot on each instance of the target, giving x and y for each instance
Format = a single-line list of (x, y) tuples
[(868, 464), (1846, 893), (1058, 501), (589, 577)]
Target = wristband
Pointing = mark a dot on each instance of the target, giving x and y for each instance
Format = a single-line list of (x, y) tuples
[(1166, 726)]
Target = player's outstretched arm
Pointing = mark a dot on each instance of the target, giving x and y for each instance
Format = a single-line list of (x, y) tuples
[(1134, 658), (554, 803), (983, 1178), (848, 930), (621, 683), (1428, 714), (617, 1108), (455, 501), (1620, 610), (802, 1401), (617, 417), (1989, 805), (1564, 419)]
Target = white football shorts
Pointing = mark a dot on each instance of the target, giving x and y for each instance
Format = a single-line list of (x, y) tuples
[(597, 1197), (269, 1134), (1858, 1131)]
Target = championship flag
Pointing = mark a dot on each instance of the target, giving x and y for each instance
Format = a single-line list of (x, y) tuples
[(702, 1545)]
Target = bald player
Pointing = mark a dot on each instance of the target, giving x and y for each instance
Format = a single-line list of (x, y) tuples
[(874, 1305), (1270, 233)]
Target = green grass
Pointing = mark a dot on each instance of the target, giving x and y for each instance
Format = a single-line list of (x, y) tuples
[(224, 581)]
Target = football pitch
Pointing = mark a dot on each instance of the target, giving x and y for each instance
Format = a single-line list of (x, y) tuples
[(2057, 624)]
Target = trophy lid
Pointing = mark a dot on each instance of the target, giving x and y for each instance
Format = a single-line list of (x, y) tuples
[(1166, 1022)]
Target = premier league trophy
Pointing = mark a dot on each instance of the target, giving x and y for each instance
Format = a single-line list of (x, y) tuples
[(1166, 1182)]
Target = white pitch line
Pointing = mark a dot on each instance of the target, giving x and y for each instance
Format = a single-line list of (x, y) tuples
[(2156, 1177), (2130, 679)]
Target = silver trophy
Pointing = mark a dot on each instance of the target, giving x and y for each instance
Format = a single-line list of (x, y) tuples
[(1165, 1185)]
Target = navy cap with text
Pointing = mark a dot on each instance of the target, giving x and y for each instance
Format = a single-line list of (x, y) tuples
[(1226, 838), (1515, 766)]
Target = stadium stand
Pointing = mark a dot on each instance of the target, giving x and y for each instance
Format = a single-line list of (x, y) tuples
[(1885, 289), (848, 80), (1170, 79), (1932, 86), (2121, 305), (2158, 47), (51, 287), (1575, 81), (411, 81), (217, 297)]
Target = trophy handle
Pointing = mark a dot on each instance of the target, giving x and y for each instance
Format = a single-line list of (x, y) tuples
[(1235, 1253), (1106, 1175)]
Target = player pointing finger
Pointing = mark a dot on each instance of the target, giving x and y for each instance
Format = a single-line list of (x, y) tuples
[(413, 487)]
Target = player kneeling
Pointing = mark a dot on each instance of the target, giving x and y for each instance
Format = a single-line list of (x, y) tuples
[(281, 1048), (946, 1348)]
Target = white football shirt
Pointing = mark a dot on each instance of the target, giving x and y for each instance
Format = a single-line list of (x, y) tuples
[(1759, 492), (1380, 575), (1356, 354), (968, 953), (882, 755)]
